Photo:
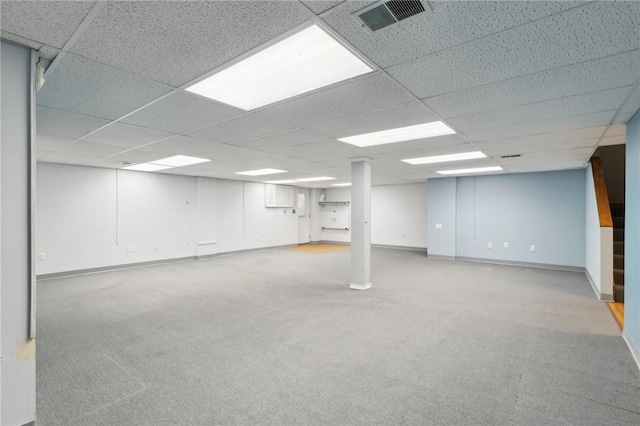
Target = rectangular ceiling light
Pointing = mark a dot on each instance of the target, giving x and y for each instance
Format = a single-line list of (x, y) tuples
[(179, 161), (305, 61), (401, 134), (475, 170), (445, 158), (277, 182), (315, 179), (261, 172), (341, 184), (147, 167)]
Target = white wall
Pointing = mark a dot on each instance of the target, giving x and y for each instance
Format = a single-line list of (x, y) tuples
[(206, 216), (93, 218), (598, 243), (398, 215)]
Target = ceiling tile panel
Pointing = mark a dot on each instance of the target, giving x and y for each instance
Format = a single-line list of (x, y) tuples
[(131, 156), (175, 42), (86, 87), (556, 146), (366, 93), (451, 23), (605, 73), (543, 138), (613, 28), (383, 119), (561, 165), (51, 143), (260, 158), (450, 148), (616, 130), (613, 140), (124, 135), (73, 159), (576, 154), (54, 122), (181, 112), (574, 105), (319, 6), (281, 140), (323, 151), (180, 145), (56, 20), (224, 153), (545, 126), (90, 149), (239, 128), (420, 144)]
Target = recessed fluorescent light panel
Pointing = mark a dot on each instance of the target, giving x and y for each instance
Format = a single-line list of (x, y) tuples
[(341, 184), (277, 182), (445, 158), (401, 134), (261, 172), (179, 161), (147, 167), (465, 171), (315, 179), (307, 60)]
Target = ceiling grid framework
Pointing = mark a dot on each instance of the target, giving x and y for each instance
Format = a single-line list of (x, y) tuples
[(551, 81)]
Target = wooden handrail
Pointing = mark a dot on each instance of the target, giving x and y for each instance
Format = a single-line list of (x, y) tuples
[(602, 198)]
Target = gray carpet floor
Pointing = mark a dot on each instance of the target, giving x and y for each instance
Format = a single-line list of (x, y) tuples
[(276, 337)]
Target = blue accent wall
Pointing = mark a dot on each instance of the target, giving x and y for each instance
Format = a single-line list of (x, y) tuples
[(441, 210), (632, 233), (543, 209)]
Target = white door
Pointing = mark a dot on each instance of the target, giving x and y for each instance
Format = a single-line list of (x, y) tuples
[(304, 229)]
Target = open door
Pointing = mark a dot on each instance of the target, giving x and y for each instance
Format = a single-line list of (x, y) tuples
[(304, 229)]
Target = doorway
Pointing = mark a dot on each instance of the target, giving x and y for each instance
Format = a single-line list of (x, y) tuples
[(304, 229)]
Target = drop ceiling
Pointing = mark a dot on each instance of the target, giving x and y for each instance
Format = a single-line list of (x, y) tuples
[(551, 81)]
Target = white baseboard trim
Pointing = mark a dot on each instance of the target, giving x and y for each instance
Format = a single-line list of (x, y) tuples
[(635, 350), (360, 286), (120, 267), (441, 257), (524, 264), (601, 296)]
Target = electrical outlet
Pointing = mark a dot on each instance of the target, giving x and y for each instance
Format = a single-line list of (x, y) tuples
[(532, 247), (489, 245), (438, 226), (506, 244), (40, 256), (133, 248)]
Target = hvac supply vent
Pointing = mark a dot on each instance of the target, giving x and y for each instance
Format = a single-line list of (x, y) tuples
[(381, 15), (125, 163), (511, 156)]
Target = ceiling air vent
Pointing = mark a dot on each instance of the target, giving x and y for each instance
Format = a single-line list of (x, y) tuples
[(125, 163), (511, 156), (383, 14)]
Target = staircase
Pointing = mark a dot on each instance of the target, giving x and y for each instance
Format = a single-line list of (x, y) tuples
[(617, 212)]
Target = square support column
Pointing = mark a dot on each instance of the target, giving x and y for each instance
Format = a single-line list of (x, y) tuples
[(360, 223)]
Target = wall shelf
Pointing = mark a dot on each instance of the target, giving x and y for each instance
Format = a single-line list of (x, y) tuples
[(333, 203)]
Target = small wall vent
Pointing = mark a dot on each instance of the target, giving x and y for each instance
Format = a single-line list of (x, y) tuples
[(383, 14)]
